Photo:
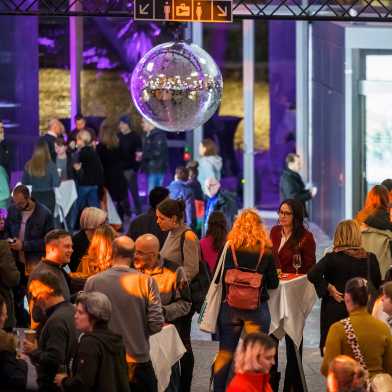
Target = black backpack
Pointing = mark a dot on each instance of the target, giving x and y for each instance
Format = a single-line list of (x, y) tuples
[(200, 284)]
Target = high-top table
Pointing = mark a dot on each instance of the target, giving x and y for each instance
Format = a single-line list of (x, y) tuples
[(290, 305)]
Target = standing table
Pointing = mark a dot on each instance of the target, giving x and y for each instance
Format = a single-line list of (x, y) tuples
[(290, 305)]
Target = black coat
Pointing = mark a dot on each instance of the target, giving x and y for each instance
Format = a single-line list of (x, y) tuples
[(147, 223), (129, 145), (91, 173), (13, 371), (291, 186), (56, 345), (114, 179), (99, 365), (337, 269), (50, 139), (155, 152)]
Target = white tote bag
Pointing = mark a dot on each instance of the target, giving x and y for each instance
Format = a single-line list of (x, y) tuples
[(208, 316)]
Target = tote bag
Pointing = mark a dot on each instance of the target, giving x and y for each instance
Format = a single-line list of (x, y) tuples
[(209, 311)]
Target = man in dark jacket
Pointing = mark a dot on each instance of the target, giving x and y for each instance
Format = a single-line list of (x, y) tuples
[(291, 184), (4, 151), (131, 154), (57, 339), (88, 173), (26, 225), (147, 223), (9, 278), (155, 154)]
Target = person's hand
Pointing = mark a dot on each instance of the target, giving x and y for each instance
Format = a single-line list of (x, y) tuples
[(17, 245), (313, 191), (59, 377), (28, 347), (77, 166), (335, 294), (72, 145)]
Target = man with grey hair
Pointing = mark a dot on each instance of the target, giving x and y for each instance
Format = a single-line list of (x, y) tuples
[(136, 311)]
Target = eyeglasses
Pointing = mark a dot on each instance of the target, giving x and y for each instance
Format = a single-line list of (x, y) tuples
[(285, 213)]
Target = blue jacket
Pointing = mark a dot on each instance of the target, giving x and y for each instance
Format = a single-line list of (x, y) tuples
[(181, 190), (39, 223)]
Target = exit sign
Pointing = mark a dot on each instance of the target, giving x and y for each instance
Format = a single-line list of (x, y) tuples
[(184, 10)]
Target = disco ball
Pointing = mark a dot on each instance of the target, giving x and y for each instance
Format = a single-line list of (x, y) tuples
[(176, 86)]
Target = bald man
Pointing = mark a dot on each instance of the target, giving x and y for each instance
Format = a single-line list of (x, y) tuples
[(136, 311), (170, 277)]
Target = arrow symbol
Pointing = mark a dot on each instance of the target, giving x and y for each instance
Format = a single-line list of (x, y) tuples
[(142, 10), (222, 11)]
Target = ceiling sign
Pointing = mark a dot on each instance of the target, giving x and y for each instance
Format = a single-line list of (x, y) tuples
[(184, 10)]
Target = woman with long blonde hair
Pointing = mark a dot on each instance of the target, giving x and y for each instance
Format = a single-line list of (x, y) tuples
[(99, 253), (250, 251), (41, 173)]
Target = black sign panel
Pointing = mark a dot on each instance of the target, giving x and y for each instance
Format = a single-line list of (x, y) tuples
[(184, 10)]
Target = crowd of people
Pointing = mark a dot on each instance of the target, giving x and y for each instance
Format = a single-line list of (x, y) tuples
[(89, 298)]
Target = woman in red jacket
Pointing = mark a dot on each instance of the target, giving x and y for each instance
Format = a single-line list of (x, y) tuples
[(290, 241), (253, 360)]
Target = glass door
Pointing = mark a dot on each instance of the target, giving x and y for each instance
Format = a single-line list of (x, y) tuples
[(377, 119)]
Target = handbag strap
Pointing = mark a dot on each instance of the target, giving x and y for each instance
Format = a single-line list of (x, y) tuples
[(353, 342), (220, 265), (235, 260)]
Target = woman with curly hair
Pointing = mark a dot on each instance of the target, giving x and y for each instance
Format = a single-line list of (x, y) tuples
[(99, 253), (251, 252)]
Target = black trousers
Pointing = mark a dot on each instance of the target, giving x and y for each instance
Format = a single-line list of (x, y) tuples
[(143, 377), (187, 362), (292, 376)]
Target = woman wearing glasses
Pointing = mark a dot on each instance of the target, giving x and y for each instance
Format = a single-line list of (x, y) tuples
[(294, 250)]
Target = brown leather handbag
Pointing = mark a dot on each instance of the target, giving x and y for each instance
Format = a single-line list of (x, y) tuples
[(243, 288)]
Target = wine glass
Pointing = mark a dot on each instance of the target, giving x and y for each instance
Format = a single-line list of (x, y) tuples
[(297, 262)]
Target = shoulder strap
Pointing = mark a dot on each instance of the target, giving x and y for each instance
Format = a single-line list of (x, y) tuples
[(353, 342), (236, 260), (182, 241)]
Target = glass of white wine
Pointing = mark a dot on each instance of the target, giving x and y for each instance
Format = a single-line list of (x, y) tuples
[(297, 262)]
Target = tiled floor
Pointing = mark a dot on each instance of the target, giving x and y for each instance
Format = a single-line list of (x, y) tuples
[(205, 350)]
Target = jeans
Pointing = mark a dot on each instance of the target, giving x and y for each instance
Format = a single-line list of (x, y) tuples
[(187, 361), (142, 377), (155, 179), (231, 322), (131, 178)]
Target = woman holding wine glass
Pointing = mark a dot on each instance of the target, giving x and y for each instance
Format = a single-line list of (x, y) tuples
[(294, 250)]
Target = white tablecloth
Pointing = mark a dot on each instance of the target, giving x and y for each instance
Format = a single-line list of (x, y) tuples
[(290, 305), (66, 195), (166, 349)]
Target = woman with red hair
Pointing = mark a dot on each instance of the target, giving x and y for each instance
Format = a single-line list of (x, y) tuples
[(376, 226), (250, 252)]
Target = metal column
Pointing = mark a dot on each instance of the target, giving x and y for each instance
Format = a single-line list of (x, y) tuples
[(75, 58), (197, 38), (248, 42), (303, 131)]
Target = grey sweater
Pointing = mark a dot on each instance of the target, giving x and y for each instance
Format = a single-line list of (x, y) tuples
[(171, 250), (136, 307)]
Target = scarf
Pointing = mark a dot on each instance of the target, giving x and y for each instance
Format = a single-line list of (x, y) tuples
[(353, 251)]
